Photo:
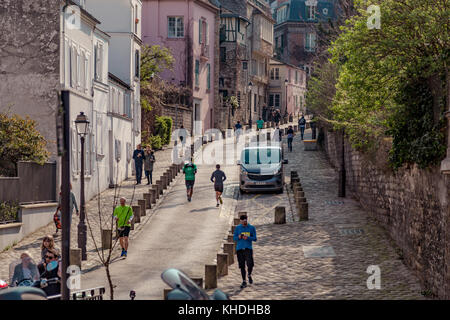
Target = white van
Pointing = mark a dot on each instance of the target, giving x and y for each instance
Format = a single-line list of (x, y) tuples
[(261, 169)]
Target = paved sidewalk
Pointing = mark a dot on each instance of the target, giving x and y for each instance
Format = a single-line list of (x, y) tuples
[(180, 234), (325, 257), (128, 189)]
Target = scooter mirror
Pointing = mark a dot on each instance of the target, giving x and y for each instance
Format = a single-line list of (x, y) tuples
[(52, 266), (177, 294)]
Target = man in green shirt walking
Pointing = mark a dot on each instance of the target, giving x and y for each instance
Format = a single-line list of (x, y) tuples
[(189, 171), (259, 124), (123, 216)]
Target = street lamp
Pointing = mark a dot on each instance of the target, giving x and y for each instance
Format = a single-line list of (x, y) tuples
[(250, 85), (286, 85), (82, 124)]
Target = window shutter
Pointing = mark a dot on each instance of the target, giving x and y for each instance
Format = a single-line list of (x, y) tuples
[(87, 73), (200, 31), (206, 33), (73, 62), (209, 77)]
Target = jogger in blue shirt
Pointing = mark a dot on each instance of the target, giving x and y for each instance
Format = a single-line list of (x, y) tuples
[(245, 234)]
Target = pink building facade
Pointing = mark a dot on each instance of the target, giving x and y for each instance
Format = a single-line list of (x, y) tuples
[(287, 88), (188, 28)]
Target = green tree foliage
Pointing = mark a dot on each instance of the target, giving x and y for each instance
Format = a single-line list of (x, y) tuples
[(155, 59), (384, 75), (163, 128), (416, 138), (9, 211), (19, 140)]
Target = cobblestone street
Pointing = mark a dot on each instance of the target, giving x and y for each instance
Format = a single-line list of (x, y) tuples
[(325, 257)]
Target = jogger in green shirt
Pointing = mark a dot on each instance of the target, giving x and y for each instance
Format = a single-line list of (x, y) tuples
[(123, 216), (189, 171)]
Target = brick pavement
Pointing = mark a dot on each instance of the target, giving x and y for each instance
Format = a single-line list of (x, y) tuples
[(281, 269), (127, 188)]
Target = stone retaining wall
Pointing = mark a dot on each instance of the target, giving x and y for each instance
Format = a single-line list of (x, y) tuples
[(412, 205)]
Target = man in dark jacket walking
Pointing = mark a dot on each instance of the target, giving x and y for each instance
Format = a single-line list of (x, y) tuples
[(138, 156), (244, 234), (302, 125), (218, 177)]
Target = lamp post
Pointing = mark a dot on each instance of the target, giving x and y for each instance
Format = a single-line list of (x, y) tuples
[(341, 171), (250, 85), (82, 124), (286, 85)]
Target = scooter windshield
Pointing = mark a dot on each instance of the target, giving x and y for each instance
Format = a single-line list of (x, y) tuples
[(177, 279)]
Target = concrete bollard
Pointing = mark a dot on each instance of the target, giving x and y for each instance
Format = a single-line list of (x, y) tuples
[(174, 170), (230, 238), (294, 180), (106, 239), (229, 248), (198, 281), (303, 211), (296, 187), (299, 199), (160, 189), (210, 276), (268, 136), (232, 229), (241, 213), (136, 213), (164, 181), (155, 187), (169, 171), (280, 215), (75, 257), (152, 193), (166, 292), (300, 194), (296, 128), (143, 204), (132, 223), (294, 174), (236, 221), (222, 264), (148, 200)]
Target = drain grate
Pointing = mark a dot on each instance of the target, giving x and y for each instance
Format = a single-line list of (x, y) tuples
[(318, 251), (334, 202), (350, 232)]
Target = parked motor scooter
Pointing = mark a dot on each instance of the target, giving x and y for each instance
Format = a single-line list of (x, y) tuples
[(23, 272), (3, 284), (186, 289)]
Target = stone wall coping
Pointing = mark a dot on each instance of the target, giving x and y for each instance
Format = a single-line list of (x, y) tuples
[(39, 205), (11, 225)]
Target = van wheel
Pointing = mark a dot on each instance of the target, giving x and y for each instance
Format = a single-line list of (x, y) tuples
[(280, 191)]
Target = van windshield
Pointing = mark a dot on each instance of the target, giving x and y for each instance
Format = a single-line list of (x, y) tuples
[(261, 156)]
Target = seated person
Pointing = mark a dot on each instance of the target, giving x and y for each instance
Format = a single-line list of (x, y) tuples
[(25, 270)]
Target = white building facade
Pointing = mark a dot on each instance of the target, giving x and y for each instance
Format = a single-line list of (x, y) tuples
[(121, 19)]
